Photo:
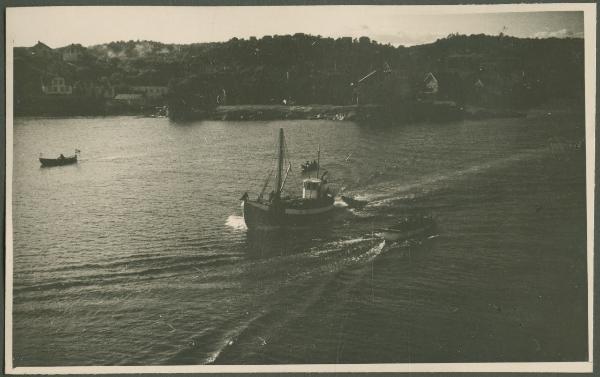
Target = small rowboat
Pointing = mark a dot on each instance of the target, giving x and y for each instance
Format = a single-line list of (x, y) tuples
[(408, 228), (60, 161)]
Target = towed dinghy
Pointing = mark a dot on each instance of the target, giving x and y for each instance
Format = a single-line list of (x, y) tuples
[(354, 203)]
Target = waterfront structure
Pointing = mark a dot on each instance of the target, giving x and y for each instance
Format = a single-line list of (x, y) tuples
[(431, 85), (398, 85), (130, 98), (151, 91), (57, 85), (94, 90), (383, 86)]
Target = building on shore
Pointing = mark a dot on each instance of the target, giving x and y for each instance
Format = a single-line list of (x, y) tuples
[(131, 99), (400, 85), (479, 85), (94, 89), (151, 92), (41, 49), (57, 86), (430, 84), (73, 53), (385, 85)]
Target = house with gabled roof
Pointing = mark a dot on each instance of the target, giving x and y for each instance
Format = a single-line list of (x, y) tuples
[(41, 49), (73, 52), (56, 86), (430, 84)]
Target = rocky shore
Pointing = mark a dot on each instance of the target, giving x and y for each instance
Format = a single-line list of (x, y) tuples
[(406, 112), (276, 112)]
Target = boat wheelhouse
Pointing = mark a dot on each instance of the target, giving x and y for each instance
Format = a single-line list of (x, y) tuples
[(279, 211)]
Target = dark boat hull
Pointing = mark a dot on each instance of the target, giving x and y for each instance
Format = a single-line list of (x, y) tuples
[(259, 215), (48, 162), (354, 203)]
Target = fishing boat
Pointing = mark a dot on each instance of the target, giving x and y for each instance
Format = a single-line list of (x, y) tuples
[(408, 227), (60, 160), (277, 210)]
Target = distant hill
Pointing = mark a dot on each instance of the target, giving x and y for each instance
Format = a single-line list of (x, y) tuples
[(304, 69)]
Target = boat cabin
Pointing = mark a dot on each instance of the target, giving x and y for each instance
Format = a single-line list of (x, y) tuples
[(312, 188)]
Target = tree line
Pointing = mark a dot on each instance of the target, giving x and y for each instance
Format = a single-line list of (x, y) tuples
[(305, 69)]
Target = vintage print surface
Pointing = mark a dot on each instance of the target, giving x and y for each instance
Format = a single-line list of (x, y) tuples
[(372, 187)]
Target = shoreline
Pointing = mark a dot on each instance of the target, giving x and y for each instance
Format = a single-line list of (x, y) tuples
[(438, 111)]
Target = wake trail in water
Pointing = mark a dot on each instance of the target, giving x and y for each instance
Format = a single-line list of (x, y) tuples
[(114, 158), (229, 339), (383, 193), (372, 253), (278, 315), (311, 273)]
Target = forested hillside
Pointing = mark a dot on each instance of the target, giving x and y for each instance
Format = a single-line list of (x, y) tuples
[(306, 69)]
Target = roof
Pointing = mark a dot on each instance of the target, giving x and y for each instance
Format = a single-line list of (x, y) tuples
[(128, 96), (42, 46), (46, 80), (149, 86), (75, 46), (430, 77)]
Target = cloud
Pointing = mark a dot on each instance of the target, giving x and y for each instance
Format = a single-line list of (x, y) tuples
[(562, 33), (402, 38)]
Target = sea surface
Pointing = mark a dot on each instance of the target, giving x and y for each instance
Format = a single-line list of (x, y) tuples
[(138, 255)]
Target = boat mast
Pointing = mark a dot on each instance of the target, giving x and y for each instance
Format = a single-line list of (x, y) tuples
[(318, 159), (262, 192), (287, 171), (280, 164)]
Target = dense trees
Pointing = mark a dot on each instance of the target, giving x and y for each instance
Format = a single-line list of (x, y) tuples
[(312, 69)]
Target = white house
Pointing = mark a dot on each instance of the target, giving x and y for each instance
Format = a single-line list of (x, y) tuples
[(431, 84), (151, 91), (130, 98), (57, 86)]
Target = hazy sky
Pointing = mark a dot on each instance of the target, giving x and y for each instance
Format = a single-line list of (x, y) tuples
[(398, 25)]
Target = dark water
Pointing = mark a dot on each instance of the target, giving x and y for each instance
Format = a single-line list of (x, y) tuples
[(138, 254)]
